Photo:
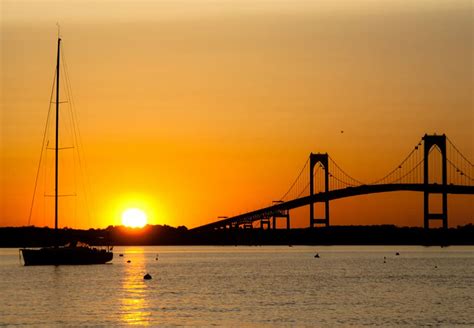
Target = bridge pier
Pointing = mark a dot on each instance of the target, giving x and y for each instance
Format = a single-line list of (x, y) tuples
[(285, 214), (265, 222), (431, 141), (313, 160)]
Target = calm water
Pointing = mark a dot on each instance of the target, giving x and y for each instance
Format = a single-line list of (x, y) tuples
[(246, 286)]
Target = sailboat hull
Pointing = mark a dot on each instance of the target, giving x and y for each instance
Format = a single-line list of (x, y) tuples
[(66, 256)]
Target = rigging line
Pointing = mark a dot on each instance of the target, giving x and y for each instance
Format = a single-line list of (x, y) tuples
[(401, 164), (293, 184), (454, 146), (71, 124), (60, 148), (68, 119), (42, 148), (71, 109), (63, 195), (77, 135), (76, 157), (344, 172)]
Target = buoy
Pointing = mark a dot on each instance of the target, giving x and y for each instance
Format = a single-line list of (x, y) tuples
[(317, 255), (397, 253), (147, 276), (129, 261)]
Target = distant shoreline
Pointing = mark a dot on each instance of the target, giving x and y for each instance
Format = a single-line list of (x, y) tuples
[(158, 235)]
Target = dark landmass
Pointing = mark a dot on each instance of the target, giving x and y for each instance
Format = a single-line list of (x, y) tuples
[(166, 235)]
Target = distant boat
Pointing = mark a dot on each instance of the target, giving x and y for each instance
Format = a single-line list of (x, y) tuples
[(72, 253)]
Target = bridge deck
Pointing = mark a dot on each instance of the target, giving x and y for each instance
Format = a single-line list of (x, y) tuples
[(336, 194)]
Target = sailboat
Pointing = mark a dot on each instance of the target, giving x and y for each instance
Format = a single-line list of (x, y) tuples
[(72, 253)]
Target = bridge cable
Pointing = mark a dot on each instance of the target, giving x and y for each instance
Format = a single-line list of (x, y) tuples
[(296, 180), (458, 151), (345, 174), (416, 148)]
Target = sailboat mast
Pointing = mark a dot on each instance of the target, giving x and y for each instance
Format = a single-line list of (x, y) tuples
[(57, 145)]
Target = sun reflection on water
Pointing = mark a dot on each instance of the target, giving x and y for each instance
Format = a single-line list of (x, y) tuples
[(134, 300)]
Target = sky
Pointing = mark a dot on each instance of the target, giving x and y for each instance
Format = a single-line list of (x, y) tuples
[(195, 109)]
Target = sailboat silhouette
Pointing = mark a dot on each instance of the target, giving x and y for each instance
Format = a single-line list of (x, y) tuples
[(72, 253)]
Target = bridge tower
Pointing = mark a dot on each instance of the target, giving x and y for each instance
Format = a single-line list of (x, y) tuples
[(431, 141), (313, 160)]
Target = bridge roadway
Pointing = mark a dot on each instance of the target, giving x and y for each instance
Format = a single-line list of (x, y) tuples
[(332, 195)]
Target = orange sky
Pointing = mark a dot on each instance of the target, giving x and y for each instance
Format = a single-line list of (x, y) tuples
[(194, 109)]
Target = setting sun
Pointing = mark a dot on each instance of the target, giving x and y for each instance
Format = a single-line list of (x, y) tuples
[(134, 218)]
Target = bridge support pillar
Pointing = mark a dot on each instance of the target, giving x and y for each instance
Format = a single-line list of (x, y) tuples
[(429, 142), (322, 159), (265, 222), (285, 214)]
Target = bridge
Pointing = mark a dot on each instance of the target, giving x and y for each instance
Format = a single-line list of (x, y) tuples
[(321, 180)]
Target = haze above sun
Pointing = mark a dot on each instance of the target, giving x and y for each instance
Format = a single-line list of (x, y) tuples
[(134, 218)]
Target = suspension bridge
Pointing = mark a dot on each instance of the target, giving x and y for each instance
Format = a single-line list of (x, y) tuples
[(433, 166)]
